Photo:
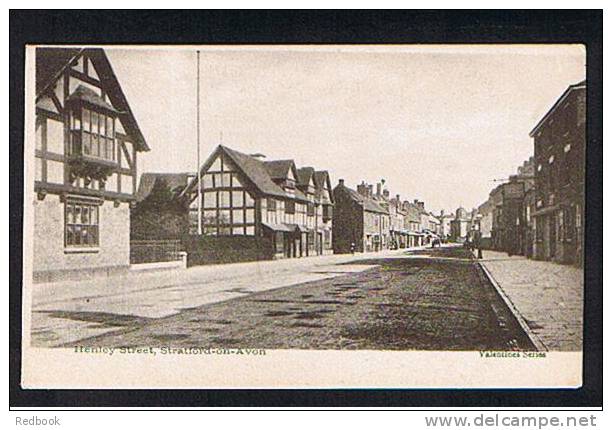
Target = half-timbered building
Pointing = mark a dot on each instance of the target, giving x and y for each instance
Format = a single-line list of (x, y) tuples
[(246, 196), (86, 146)]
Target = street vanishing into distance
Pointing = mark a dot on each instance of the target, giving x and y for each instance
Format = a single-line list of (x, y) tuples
[(427, 299)]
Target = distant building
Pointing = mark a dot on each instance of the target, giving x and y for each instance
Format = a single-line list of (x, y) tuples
[(412, 222), (397, 214), (460, 226), (504, 218), (486, 211), (559, 150), (86, 147), (359, 220), (445, 224)]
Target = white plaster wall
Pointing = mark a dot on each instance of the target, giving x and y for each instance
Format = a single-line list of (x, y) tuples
[(49, 251)]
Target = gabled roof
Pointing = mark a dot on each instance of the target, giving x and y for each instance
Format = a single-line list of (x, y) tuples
[(279, 169), (89, 96), (51, 63), (578, 86), (320, 178), (303, 176), (176, 183), (368, 204), (255, 170)]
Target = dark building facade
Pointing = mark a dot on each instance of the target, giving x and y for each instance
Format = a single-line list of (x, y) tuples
[(359, 220), (559, 150), (509, 218), (159, 211), (85, 151)]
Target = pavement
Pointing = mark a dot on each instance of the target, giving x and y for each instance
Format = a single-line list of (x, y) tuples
[(64, 312), (546, 295)]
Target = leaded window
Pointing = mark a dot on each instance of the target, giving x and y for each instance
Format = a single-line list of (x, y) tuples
[(92, 134), (81, 224)]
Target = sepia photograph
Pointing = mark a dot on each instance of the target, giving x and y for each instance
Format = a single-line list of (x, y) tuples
[(242, 201)]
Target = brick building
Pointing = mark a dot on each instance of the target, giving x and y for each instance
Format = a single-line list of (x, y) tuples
[(504, 217), (359, 219), (86, 146), (559, 150)]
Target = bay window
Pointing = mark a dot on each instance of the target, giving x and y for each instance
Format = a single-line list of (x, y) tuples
[(92, 134)]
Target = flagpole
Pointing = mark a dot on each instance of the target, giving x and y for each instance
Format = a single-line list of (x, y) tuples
[(198, 143)]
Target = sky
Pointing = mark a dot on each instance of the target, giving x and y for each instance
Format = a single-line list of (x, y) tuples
[(438, 123)]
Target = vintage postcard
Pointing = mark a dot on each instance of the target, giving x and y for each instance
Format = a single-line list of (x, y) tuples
[(318, 216)]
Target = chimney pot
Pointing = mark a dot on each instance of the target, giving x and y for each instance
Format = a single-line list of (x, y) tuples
[(341, 181)]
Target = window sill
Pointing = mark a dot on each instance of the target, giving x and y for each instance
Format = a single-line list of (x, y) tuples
[(82, 250)]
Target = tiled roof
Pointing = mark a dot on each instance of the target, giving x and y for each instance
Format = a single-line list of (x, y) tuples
[(278, 169), (320, 177), (176, 182), (88, 95), (368, 204), (304, 175), (51, 62), (256, 170), (579, 86)]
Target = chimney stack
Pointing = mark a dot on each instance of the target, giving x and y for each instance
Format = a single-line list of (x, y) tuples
[(341, 182), (378, 189)]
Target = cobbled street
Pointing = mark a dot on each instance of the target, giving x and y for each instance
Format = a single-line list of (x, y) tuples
[(421, 300)]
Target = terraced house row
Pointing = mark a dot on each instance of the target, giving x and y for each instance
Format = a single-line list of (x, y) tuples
[(539, 211)]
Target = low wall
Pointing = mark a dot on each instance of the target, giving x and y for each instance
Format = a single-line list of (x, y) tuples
[(226, 249)]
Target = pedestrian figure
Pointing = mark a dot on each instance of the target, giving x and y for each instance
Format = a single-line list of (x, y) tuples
[(476, 243)]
